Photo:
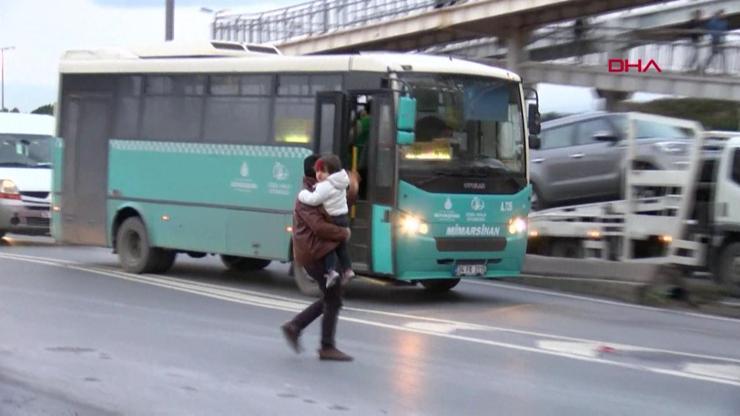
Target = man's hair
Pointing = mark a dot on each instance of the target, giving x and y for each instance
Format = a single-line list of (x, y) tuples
[(308, 164), (329, 164)]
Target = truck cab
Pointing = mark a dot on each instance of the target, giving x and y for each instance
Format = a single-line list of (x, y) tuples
[(726, 222)]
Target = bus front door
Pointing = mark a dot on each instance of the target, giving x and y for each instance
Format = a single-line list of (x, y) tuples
[(371, 246)]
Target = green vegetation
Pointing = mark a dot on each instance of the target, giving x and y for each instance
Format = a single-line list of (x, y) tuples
[(44, 109)]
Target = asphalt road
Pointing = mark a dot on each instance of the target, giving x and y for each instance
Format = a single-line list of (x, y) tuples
[(80, 337)]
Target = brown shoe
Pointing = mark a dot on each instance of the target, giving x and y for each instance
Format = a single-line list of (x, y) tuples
[(292, 334), (333, 354)]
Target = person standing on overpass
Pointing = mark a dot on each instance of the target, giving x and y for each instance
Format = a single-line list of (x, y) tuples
[(695, 35), (717, 27)]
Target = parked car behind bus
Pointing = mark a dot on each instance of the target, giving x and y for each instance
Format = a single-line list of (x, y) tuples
[(25, 173), (582, 157)]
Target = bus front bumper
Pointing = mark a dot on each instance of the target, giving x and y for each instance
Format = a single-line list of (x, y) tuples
[(423, 257)]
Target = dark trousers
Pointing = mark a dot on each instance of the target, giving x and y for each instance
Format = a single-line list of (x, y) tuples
[(341, 252), (327, 305)]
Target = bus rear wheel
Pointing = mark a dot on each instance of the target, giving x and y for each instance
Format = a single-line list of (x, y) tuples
[(135, 253), (244, 264), (439, 285), (306, 285)]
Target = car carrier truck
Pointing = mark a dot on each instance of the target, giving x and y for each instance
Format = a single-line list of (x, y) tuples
[(688, 218)]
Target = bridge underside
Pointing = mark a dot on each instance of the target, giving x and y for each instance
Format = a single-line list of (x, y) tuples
[(462, 22)]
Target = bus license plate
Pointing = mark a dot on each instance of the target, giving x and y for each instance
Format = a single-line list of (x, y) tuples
[(470, 270)]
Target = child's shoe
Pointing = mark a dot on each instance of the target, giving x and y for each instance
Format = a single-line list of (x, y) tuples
[(331, 278), (348, 275)]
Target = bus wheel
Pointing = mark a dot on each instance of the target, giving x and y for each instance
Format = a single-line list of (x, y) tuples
[(134, 252), (166, 260), (728, 270), (305, 283), (244, 264), (439, 285)]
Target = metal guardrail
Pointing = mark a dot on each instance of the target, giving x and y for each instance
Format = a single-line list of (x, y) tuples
[(314, 17)]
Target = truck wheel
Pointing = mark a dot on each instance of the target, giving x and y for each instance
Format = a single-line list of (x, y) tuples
[(729, 268), (244, 264), (305, 283), (439, 285), (563, 247), (135, 253)]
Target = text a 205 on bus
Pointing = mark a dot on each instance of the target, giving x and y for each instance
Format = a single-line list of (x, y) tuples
[(204, 155)]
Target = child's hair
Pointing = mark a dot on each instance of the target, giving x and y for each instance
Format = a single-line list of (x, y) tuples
[(329, 164)]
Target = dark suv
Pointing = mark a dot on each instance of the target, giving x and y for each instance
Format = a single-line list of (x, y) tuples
[(582, 158)]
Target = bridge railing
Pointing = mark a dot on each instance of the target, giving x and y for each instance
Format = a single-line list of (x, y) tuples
[(312, 18), (675, 50), (672, 50)]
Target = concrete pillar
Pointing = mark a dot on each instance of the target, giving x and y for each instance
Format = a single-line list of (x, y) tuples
[(612, 99), (515, 49)]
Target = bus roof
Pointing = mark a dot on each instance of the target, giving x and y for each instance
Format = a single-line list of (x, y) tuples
[(207, 57), (17, 123)]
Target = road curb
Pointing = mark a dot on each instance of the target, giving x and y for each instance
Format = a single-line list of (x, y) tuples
[(696, 295), (631, 292)]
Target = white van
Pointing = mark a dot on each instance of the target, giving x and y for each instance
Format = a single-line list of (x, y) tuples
[(25, 173)]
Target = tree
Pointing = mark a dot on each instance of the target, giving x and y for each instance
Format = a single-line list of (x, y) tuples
[(15, 110), (44, 109)]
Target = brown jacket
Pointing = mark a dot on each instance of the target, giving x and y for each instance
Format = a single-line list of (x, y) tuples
[(314, 236)]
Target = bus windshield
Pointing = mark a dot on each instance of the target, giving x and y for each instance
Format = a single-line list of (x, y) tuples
[(25, 150), (466, 127)]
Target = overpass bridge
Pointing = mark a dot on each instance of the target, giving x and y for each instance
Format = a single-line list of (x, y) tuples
[(646, 25), (532, 37), (341, 26)]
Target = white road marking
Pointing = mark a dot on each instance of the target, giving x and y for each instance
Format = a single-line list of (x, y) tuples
[(603, 301), (586, 349), (443, 328), (288, 303), (293, 306), (729, 372)]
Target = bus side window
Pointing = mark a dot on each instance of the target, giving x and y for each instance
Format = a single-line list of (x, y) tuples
[(237, 109), (736, 167), (173, 107)]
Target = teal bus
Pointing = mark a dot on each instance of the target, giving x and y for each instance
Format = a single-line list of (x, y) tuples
[(198, 150)]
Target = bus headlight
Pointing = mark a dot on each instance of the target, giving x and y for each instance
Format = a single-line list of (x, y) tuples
[(517, 225), (411, 225)]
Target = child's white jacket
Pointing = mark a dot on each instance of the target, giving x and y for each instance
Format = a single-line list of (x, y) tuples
[(331, 193)]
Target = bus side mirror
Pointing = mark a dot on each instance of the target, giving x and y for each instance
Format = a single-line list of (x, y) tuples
[(533, 119), (406, 119)]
